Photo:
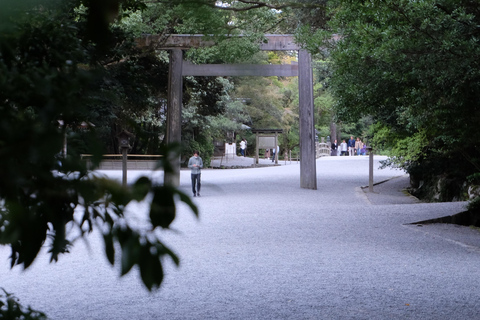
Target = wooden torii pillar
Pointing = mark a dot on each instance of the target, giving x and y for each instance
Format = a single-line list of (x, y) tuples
[(174, 112), (179, 68), (308, 169)]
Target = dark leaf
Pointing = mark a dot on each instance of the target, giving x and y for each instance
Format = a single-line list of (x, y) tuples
[(185, 198), (162, 209), (141, 188), (130, 244), (109, 248), (151, 269)]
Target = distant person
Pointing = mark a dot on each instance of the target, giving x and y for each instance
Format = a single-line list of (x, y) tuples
[(363, 151), (358, 146), (267, 153), (351, 146), (243, 146), (343, 148), (196, 164), (274, 152), (334, 148)]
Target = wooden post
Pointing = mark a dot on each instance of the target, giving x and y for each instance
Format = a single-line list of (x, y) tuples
[(174, 113), (308, 170), (277, 149), (257, 150), (124, 166), (370, 169)]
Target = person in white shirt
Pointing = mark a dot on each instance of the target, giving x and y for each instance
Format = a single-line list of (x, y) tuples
[(274, 152), (343, 148), (243, 146)]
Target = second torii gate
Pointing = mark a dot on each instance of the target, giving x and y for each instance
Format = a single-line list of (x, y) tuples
[(179, 68)]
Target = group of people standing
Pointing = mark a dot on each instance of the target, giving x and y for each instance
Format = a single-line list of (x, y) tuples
[(351, 148)]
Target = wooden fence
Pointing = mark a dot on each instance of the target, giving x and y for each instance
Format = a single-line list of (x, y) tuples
[(134, 161)]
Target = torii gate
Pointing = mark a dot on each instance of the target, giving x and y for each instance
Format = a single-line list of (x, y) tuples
[(179, 68)]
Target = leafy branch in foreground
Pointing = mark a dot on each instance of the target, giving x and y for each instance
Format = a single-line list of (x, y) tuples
[(82, 203), (49, 198), (10, 308)]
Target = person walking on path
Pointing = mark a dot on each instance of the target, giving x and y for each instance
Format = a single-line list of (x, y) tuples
[(196, 164), (243, 146), (351, 146)]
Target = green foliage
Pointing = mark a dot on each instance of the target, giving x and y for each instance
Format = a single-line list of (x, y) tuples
[(315, 41), (411, 148), (474, 178), (48, 74), (11, 309), (402, 149), (231, 120), (412, 66), (208, 113), (203, 143), (383, 138), (474, 205), (263, 100), (323, 105)]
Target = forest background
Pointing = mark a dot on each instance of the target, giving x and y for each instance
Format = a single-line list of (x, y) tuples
[(403, 75)]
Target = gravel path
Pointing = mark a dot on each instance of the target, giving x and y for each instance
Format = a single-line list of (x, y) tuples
[(264, 248)]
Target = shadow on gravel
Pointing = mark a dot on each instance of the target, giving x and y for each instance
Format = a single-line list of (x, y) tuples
[(465, 218), (395, 191), (390, 191)]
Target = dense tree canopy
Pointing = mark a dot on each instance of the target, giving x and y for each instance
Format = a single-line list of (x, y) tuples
[(413, 66)]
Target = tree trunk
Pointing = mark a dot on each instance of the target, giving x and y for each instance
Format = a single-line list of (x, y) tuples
[(333, 131)]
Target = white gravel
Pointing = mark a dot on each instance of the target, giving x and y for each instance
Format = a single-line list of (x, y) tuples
[(263, 248)]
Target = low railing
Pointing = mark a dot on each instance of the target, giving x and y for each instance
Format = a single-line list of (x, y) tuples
[(322, 149), (134, 161)]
